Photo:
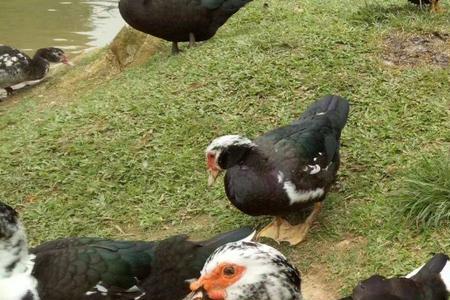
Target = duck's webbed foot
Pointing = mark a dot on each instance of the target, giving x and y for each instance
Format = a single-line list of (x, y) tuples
[(281, 230), (272, 230)]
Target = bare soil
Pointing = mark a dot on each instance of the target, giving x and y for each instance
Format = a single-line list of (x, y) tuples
[(315, 286), (410, 50)]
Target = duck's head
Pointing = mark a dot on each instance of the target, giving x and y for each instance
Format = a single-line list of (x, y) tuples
[(9, 221), (53, 55), (224, 152), (246, 271)]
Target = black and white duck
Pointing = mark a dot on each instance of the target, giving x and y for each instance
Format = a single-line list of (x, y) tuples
[(285, 170), (17, 67), (429, 282), (179, 20), (16, 281), (96, 268), (247, 271)]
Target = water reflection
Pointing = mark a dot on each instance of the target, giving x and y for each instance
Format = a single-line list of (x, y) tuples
[(71, 25)]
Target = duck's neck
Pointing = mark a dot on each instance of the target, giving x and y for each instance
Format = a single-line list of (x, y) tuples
[(14, 255), (235, 155), (38, 68)]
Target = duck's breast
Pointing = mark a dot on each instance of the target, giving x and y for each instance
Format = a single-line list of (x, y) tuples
[(254, 193)]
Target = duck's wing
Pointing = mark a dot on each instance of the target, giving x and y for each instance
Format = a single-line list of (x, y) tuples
[(310, 145), (87, 268), (13, 65)]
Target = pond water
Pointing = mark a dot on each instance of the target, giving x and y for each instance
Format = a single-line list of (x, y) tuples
[(70, 25)]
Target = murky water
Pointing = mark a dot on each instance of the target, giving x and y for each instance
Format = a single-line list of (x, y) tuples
[(71, 25)]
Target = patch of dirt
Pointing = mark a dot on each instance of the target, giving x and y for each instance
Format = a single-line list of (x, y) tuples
[(315, 286), (350, 242), (409, 50), (319, 281)]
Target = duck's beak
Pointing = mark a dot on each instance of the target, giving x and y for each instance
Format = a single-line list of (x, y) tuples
[(66, 61), (212, 176)]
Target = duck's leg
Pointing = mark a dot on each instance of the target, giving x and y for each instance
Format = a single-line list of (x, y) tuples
[(191, 40), (295, 234), (9, 91), (175, 49), (272, 230)]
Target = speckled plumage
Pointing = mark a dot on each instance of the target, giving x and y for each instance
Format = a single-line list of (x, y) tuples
[(17, 67), (13, 64), (16, 282), (267, 273)]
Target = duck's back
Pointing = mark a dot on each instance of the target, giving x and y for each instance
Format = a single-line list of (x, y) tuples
[(13, 66), (81, 268), (173, 20), (101, 269)]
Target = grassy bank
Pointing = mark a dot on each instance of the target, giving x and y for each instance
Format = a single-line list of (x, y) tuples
[(123, 157)]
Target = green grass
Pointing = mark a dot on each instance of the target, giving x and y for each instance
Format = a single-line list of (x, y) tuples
[(425, 191), (125, 157)]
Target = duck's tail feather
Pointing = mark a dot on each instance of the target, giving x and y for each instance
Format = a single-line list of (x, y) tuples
[(438, 264), (335, 107), (241, 234)]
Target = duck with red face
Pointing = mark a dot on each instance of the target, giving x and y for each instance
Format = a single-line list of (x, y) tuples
[(247, 271), (284, 171)]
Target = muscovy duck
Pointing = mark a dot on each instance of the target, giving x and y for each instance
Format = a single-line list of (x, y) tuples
[(95, 268), (16, 281), (284, 170), (247, 271), (429, 282), (434, 4), (17, 67), (179, 20)]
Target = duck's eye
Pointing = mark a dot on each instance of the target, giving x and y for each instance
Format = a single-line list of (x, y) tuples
[(229, 271)]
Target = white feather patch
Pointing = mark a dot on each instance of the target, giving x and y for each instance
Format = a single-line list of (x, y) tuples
[(445, 275), (17, 287), (314, 169), (228, 140), (414, 272), (296, 196), (280, 177), (249, 238)]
